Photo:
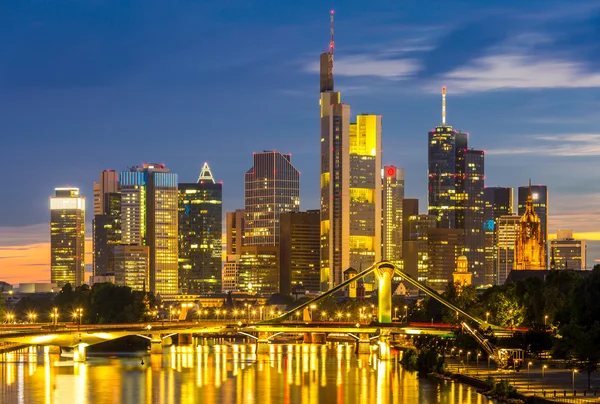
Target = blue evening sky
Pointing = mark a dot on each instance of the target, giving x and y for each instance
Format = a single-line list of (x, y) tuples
[(87, 85)]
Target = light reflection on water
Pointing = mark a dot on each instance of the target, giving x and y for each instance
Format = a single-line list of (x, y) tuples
[(289, 374)]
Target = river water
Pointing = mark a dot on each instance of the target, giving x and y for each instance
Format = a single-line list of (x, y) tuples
[(290, 374)]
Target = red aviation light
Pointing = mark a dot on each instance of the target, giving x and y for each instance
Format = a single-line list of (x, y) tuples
[(391, 171)]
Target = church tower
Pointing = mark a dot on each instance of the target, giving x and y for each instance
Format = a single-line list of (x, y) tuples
[(530, 251)]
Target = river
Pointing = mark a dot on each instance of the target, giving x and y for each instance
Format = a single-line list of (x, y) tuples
[(290, 374)]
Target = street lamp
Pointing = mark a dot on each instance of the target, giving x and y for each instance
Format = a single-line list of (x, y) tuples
[(406, 313), (468, 354), (348, 316), (478, 355), (312, 312), (54, 316), (487, 317), (78, 314), (9, 318), (543, 369), (459, 352), (573, 378), (339, 316), (528, 374), (546, 320), (32, 317), (323, 315)]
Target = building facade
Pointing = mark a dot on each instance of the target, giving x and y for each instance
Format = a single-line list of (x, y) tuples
[(415, 249), (107, 184), (234, 222), (507, 230), (67, 237), (530, 251), (299, 252), (132, 266), (392, 216), (566, 252), (200, 235), (498, 202), (106, 233), (258, 270), (444, 246), (149, 216), (272, 186), (365, 191), (474, 206)]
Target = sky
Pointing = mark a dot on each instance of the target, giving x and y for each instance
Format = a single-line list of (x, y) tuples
[(88, 85)]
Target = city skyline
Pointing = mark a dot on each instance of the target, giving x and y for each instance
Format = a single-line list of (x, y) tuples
[(24, 228)]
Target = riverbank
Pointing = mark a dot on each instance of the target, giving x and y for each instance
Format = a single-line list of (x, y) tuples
[(532, 386)]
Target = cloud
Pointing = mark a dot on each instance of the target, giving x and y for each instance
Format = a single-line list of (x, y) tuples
[(371, 66), (562, 145)]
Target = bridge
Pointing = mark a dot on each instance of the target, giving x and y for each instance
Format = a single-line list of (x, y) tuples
[(264, 331)]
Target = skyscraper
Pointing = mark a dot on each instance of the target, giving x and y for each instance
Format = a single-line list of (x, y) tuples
[(410, 207), (508, 231), (106, 233), (200, 232), (455, 183), (149, 213), (132, 266), (234, 223), (498, 202), (539, 195), (393, 198), (335, 174), (365, 191), (108, 184), (415, 246), (67, 237), (272, 186), (443, 249), (299, 256)]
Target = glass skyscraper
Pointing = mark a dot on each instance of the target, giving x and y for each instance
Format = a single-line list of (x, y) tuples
[(67, 237), (393, 198), (498, 202), (272, 186), (200, 232), (149, 216)]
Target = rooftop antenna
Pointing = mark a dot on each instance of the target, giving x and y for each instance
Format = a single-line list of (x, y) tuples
[(206, 175), (444, 106), (331, 43)]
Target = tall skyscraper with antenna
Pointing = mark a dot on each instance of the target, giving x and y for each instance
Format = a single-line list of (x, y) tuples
[(335, 173), (455, 187)]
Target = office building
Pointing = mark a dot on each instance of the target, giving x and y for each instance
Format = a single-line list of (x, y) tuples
[(365, 191), (498, 202), (259, 270), (335, 175), (200, 235), (455, 184), (539, 195), (444, 246), (108, 184), (106, 233), (507, 229), (230, 278), (410, 207), (392, 200), (234, 222), (132, 266), (530, 249), (299, 252), (566, 252), (67, 237), (272, 187), (415, 247), (149, 217)]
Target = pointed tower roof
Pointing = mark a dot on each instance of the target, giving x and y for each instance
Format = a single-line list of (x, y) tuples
[(205, 174)]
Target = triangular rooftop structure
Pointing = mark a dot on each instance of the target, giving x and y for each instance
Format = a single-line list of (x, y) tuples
[(206, 175)]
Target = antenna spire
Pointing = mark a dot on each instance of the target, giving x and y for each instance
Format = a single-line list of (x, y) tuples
[(444, 106), (331, 42), (206, 175)]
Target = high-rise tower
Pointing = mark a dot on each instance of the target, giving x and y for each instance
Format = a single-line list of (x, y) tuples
[(455, 185), (272, 187), (498, 202), (149, 213), (335, 175), (530, 251), (200, 231), (539, 196), (67, 237), (392, 221)]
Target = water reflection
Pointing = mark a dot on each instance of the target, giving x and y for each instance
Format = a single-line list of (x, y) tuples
[(222, 374)]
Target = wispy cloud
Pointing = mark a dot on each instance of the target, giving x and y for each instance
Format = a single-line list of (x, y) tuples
[(371, 65), (563, 145)]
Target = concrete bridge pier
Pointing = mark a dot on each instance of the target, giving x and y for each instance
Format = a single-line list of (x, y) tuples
[(384, 274), (307, 338), (185, 339), (319, 338), (384, 346), (156, 344), (52, 349), (79, 353), (262, 343), (363, 345)]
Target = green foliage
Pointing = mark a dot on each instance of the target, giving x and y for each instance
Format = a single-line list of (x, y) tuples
[(504, 389), (431, 361), (409, 360)]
